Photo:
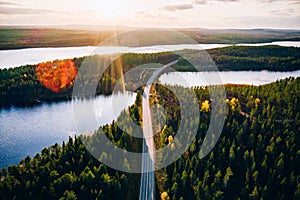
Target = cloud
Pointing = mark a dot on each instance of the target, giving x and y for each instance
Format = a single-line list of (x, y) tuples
[(289, 22), (204, 2), (174, 8), (200, 2), (4, 3), (9, 8), (22, 11), (271, 1), (286, 1), (284, 12), (142, 14)]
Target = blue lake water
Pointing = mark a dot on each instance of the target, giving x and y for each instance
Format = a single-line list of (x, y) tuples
[(190, 79), (25, 131)]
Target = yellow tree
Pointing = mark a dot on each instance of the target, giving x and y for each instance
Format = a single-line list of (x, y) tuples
[(205, 106)]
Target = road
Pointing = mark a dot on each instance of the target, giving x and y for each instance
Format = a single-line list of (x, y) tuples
[(147, 186)]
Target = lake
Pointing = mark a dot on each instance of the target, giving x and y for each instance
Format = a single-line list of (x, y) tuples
[(190, 79), (18, 57), (25, 131)]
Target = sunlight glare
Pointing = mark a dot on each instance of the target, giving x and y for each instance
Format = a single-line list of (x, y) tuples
[(110, 9)]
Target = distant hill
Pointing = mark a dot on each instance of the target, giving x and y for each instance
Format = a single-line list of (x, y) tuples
[(16, 37)]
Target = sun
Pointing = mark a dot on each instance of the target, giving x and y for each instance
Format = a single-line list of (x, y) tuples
[(110, 9)]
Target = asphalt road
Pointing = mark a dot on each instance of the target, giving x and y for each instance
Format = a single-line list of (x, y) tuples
[(147, 186)]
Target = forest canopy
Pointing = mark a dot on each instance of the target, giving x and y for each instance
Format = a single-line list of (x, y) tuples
[(256, 157)]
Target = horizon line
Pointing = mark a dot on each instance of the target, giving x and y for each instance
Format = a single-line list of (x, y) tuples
[(69, 26)]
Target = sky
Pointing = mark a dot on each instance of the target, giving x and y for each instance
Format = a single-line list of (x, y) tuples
[(154, 13)]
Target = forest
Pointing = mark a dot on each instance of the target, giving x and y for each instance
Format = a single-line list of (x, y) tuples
[(33, 84), (256, 157)]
